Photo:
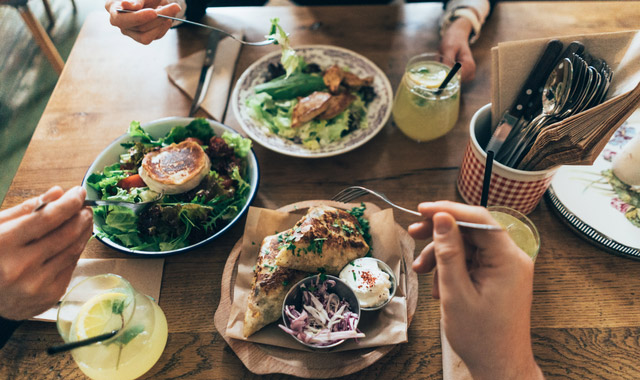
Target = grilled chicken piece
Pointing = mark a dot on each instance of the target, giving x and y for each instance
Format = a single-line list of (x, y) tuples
[(333, 77), (325, 238), (310, 107), (354, 82), (337, 104), (269, 288)]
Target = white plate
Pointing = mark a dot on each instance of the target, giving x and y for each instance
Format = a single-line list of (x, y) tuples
[(586, 201), (159, 128), (378, 111)]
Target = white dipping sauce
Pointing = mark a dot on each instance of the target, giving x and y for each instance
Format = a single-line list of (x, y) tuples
[(370, 284)]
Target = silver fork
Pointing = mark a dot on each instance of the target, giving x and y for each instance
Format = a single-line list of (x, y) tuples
[(353, 192), (136, 207), (258, 43)]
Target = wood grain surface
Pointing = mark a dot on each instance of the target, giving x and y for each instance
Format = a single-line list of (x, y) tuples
[(585, 317)]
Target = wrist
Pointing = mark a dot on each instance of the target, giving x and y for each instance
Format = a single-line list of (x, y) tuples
[(461, 17), (524, 369)]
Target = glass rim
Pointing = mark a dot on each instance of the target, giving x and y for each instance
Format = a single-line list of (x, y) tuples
[(525, 219), (453, 87), (131, 295)]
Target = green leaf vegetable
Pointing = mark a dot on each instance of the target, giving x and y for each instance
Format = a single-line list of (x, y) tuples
[(178, 220), (290, 61)]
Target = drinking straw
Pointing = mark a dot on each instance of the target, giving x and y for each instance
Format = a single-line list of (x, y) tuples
[(80, 343), (446, 80), (486, 182)]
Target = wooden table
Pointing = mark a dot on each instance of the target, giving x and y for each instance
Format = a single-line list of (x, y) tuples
[(586, 316)]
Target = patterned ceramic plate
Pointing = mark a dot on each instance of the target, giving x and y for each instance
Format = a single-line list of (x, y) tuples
[(586, 199), (378, 112)]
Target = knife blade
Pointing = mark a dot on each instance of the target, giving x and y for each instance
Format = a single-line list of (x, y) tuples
[(537, 77), (205, 72)]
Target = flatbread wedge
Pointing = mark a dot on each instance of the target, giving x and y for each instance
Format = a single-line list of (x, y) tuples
[(325, 239), (270, 285)]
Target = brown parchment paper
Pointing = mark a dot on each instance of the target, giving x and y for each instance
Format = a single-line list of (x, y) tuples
[(383, 327), (621, 51)]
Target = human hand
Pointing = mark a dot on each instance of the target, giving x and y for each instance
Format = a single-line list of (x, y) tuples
[(485, 284), (454, 45), (144, 25), (39, 251)]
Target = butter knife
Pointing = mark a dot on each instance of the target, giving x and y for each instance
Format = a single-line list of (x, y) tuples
[(530, 89), (205, 72)]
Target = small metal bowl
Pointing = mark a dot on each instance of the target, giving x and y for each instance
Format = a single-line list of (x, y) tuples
[(392, 278), (294, 297)]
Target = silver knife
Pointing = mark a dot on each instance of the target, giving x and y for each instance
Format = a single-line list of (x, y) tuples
[(206, 72), (529, 90)]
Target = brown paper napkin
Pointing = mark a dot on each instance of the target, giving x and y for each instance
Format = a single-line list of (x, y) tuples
[(515, 59), (186, 72), (384, 327), (145, 275)]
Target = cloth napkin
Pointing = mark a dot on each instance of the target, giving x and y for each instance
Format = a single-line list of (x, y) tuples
[(145, 275), (186, 72)]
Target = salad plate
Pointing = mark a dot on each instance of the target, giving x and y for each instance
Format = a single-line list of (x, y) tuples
[(378, 110), (262, 355), (597, 206), (157, 129)]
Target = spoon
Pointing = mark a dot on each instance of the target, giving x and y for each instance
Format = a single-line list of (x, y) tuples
[(555, 94), (266, 42)]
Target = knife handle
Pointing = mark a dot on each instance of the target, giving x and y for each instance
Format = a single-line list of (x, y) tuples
[(529, 101), (535, 105)]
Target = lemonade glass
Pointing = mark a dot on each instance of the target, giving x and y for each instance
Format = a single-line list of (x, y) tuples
[(104, 303), (419, 110), (520, 228)]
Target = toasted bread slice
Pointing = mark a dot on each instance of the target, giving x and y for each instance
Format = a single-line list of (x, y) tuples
[(175, 169)]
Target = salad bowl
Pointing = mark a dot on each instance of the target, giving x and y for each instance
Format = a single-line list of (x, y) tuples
[(378, 110), (158, 128)]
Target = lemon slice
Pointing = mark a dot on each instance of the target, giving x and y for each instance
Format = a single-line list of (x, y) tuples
[(429, 76), (97, 315)]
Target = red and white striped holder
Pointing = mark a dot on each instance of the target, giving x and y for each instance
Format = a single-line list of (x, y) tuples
[(518, 189)]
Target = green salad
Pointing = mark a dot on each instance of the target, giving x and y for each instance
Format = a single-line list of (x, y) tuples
[(177, 220), (291, 81)]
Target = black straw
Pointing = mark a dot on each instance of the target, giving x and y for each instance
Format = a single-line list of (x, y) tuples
[(81, 343), (486, 182), (446, 80)]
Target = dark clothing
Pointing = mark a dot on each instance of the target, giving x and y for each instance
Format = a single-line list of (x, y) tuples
[(7, 327)]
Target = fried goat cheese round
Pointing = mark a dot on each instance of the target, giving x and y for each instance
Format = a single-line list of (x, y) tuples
[(176, 168)]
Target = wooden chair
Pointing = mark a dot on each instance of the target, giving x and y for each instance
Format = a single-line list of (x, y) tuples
[(39, 33)]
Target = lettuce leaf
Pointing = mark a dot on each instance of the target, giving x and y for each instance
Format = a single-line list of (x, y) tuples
[(290, 61), (241, 146)]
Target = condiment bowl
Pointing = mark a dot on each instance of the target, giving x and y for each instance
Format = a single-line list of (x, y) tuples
[(392, 278), (294, 297)]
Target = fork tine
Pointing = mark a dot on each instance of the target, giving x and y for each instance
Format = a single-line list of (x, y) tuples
[(349, 194)]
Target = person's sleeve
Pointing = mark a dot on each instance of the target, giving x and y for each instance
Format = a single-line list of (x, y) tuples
[(7, 327), (476, 11)]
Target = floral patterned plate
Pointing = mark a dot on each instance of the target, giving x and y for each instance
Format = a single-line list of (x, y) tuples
[(592, 201), (378, 112)]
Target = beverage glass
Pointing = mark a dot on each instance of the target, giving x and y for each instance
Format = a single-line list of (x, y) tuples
[(104, 303), (520, 228), (419, 110)]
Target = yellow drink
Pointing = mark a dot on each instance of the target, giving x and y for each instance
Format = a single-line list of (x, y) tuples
[(418, 111), (141, 324), (520, 229)]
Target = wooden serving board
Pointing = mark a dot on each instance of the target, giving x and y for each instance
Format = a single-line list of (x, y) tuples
[(264, 359)]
